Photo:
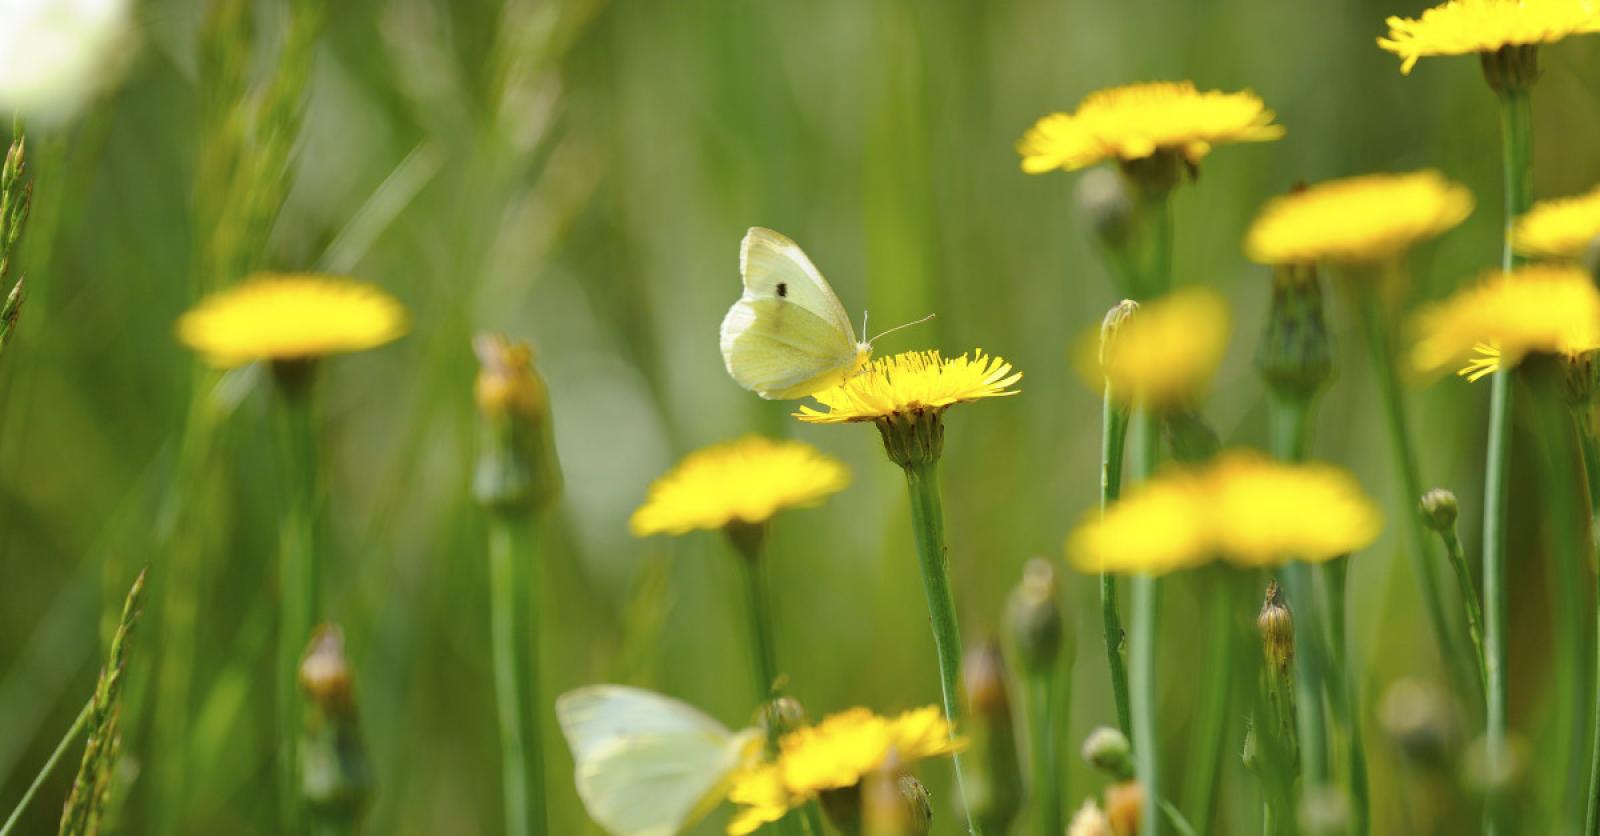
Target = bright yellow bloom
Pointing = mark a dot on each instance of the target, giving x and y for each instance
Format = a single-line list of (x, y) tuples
[(1462, 27), (1539, 308), (1356, 220), (1166, 353), (1559, 229), (290, 317), (747, 480), (914, 381), (1136, 121), (834, 754), (1240, 507)]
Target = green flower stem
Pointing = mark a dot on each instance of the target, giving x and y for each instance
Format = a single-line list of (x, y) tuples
[(753, 566), (1469, 598), (298, 581), (1380, 353), (49, 766), (1113, 437), (1142, 648), (1042, 755), (514, 631), (927, 523), (1516, 118), (1342, 692), (1590, 450), (1205, 766)]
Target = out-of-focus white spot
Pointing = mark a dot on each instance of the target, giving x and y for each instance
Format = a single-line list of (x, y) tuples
[(57, 54)]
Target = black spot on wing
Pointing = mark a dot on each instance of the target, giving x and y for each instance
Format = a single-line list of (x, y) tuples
[(783, 289)]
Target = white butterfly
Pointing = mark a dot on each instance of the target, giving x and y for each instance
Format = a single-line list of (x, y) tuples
[(788, 335), (647, 764)]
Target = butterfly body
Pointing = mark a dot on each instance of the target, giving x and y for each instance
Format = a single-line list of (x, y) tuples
[(788, 336)]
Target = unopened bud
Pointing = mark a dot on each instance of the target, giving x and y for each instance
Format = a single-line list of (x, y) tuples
[(324, 670), (782, 715), (1115, 318), (1034, 618), (994, 777), (1124, 805), (1295, 354), (895, 805), (1439, 510), (517, 467), (1107, 749), (1103, 199), (1276, 624), (983, 672), (335, 779), (1090, 820)]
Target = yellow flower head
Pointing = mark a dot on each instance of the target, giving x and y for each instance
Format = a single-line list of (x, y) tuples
[(1356, 220), (914, 381), (747, 480), (1462, 27), (1136, 121), (1559, 229), (290, 317), (1166, 353), (834, 754), (1241, 507), (1539, 308)]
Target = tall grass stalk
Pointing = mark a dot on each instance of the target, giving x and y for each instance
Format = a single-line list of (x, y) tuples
[(514, 611), (85, 809), (298, 571), (1142, 647), (1589, 449), (927, 524), (1113, 438), (60, 751)]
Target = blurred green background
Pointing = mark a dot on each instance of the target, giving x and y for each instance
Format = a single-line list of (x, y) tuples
[(579, 175)]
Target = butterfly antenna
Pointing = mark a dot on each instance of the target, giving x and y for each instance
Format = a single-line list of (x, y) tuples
[(864, 315), (896, 328)]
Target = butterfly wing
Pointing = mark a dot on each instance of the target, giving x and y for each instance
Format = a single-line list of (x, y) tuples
[(647, 765), (788, 335)]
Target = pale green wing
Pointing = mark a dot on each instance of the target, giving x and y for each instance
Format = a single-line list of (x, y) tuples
[(783, 351), (774, 267), (647, 765), (659, 784)]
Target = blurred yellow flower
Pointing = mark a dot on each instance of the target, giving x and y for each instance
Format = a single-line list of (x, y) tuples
[(1356, 220), (1241, 507), (746, 480), (1559, 229), (914, 381), (1165, 353), (290, 317), (1461, 27), (834, 754), (1137, 120), (1539, 308)]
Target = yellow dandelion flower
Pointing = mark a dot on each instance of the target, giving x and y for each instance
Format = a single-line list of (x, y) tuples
[(1166, 353), (912, 382), (747, 481), (1135, 121), (834, 754), (1241, 507), (1357, 220), (1265, 512), (290, 317), (1463, 27), (1559, 229), (1539, 308)]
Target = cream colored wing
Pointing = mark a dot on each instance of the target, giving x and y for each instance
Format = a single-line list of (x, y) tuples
[(782, 351), (774, 267)]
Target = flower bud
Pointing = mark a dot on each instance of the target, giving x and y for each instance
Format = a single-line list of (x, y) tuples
[(1102, 197), (782, 715), (1124, 804), (1295, 354), (1115, 318), (335, 778), (1276, 624), (895, 805), (1107, 749), (517, 467), (1439, 510), (994, 774), (1033, 618), (1090, 820)]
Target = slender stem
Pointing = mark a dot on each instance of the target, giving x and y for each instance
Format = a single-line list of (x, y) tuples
[(514, 631), (1380, 354), (1206, 764), (1516, 125), (1591, 464), (298, 585), (927, 523), (1142, 651), (761, 642), (49, 766), (1469, 599), (1342, 689), (1113, 437), (1046, 793)]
